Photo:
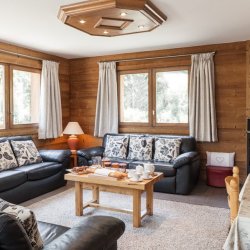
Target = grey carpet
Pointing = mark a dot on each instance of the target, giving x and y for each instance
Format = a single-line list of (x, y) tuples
[(201, 195), (175, 225)]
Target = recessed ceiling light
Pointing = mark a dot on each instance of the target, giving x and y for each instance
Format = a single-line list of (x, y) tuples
[(141, 27), (123, 14), (105, 32), (82, 21)]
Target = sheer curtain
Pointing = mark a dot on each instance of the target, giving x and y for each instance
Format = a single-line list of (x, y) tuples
[(202, 111), (106, 119), (50, 120)]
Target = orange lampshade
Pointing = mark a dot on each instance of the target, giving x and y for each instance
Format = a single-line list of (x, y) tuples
[(73, 129)]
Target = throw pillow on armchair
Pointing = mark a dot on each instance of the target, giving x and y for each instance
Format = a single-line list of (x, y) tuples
[(27, 219)]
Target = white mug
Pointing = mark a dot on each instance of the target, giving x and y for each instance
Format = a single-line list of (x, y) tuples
[(131, 173), (139, 169), (149, 167), (146, 174), (135, 176)]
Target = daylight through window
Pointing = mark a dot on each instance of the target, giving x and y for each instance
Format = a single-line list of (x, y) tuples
[(26, 96), (154, 98), (172, 97), (134, 98)]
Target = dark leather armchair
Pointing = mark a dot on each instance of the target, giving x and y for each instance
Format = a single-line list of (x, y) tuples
[(93, 233), (180, 176)]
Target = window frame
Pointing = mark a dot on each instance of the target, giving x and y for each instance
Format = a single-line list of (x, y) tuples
[(5, 97), (137, 124), (11, 111), (168, 69), (152, 126)]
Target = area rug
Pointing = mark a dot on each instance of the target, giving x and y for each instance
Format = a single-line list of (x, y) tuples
[(174, 225)]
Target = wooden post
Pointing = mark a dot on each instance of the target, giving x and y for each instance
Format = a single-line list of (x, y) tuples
[(136, 208), (236, 173), (96, 193), (149, 199), (234, 199), (78, 198)]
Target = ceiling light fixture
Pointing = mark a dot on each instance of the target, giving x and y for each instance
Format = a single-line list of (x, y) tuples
[(112, 17), (123, 14)]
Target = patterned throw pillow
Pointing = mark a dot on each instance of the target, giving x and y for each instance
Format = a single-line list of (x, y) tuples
[(26, 152), (27, 219), (167, 149), (116, 146), (7, 157), (140, 148)]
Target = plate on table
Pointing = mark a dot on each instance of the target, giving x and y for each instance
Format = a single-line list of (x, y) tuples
[(149, 178), (77, 173), (134, 180)]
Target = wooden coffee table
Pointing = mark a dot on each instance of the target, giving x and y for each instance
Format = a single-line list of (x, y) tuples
[(110, 184)]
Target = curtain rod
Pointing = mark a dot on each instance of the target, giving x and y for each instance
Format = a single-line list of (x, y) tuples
[(21, 55), (152, 58)]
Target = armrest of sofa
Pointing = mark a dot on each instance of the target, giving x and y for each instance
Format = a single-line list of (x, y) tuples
[(185, 158), (94, 233), (55, 155), (88, 153)]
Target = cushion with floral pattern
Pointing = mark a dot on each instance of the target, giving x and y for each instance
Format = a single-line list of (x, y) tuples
[(167, 149), (27, 219), (140, 148), (7, 157), (116, 146), (26, 152)]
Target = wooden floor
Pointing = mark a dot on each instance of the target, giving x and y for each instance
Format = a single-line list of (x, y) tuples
[(201, 195)]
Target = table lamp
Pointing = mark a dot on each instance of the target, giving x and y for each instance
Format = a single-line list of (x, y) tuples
[(73, 129)]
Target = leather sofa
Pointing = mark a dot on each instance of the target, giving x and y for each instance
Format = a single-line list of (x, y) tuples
[(180, 176), (27, 182), (93, 233)]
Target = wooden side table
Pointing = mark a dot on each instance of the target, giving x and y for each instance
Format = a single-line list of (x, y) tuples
[(74, 158)]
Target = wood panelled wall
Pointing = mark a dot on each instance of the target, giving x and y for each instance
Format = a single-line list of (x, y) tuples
[(64, 84), (230, 77)]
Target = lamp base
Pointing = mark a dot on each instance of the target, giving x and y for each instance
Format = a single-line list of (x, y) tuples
[(73, 142)]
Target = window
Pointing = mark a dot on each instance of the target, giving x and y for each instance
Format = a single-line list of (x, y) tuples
[(172, 97), (2, 97), (157, 101), (25, 96), (134, 97)]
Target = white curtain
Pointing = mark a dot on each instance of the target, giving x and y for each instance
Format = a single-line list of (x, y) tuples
[(202, 111), (106, 119), (50, 120)]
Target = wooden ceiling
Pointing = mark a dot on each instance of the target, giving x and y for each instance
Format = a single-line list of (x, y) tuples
[(112, 17)]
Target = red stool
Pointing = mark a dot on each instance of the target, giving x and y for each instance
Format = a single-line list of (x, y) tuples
[(216, 175)]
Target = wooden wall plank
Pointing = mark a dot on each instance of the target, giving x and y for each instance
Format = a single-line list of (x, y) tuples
[(230, 77)]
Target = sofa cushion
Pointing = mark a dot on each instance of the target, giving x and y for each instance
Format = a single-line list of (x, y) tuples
[(116, 146), (7, 157), (26, 152), (10, 179), (140, 148), (40, 170), (167, 149), (163, 167), (27, 219)]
